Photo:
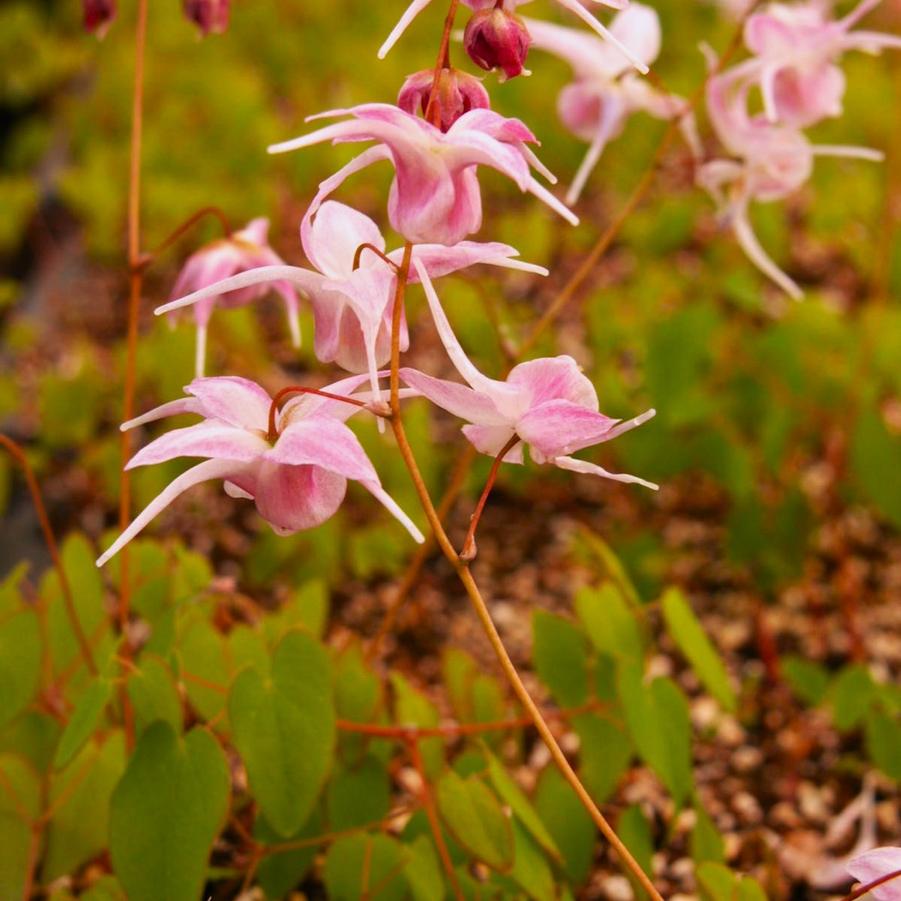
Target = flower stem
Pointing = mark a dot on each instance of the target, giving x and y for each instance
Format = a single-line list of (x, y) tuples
[(301, 389), (18, 454), (192, 220), (461, 567), (468, 552), (432, 111), (865, 889)]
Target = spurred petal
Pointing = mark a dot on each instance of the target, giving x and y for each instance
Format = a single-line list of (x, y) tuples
[(234, 400), (490, 439), (455, 398), (206, 439), (324, 442), (440, 259), (759, 257), (560, 427), (331, 242), (391, 506), (574, 6), (583, 466), (209, 469), (410, 13), (172, 408), (291, 498)]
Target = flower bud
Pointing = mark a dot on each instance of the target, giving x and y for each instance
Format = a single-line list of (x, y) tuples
[(97, 15), (210, 16), (497, 39), (456, 93)]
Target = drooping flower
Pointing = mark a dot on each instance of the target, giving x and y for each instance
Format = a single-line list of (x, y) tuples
[(244, 250), (574, 6), (97, 15), (497, 39), (435, 197), (796, 49), (606, 91), (767, 162), (210, 16), (351, 289), (548, 404), (455, 94), (297, 480), (875, 864)]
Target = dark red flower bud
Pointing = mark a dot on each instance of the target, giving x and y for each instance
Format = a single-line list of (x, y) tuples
[(457, 93), (497, 39), (97, 15), (210, 16)]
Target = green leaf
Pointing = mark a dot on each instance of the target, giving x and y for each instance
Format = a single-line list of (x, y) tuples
[(358, 795), (423, 871), (79, 830), (692, 641), (560, 655), (604, 754), (358, 691), (750, 890), (520, 804), (83, 721), (153, 694), (307, 608), (34, 736), (365, 866), (612, 565), (851, 694), (475, 819), (531, 871), (568, 822), (284, 730), (874, 463), (807, 679), (166, 812), (716, 882), (413, 708), (706, 842), (658, 721), (20, 663), (635, 832), (610, 622), (201, 652), (459, 670), (20, 802), (883, 735), (280, 872), (106, 888)]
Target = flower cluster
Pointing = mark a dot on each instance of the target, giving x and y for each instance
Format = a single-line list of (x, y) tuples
[(794, 69), (210, 16), (294, 459)]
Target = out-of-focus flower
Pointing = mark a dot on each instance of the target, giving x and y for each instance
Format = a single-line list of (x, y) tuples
[(243, 250), (548, 404), (210, 16), (606, 90), (796, 49), (456, 93), (574, 6), (497, 39), (97, 15), (435, 196), (768, 162), (352, 286), (873, 865), (297, 478)]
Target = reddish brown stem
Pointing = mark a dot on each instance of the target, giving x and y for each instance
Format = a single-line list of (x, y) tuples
[(18, 454), (358, 255), (864, 889), (432, 110), (469, 545), (428, 803), (147, 259), (300, 389)]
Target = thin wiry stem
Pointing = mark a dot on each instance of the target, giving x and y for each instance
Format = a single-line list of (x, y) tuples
[(865, 889), (147, 258), (566, 296), (478, 602), (432, 110), (18, 454)]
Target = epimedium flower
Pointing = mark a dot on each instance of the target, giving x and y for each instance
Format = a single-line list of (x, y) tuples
[(767, 162), (296, 474), (547, 405), (435, 197), (576, 7), (352, 284), (796, 49), (97, 15), (497, 39), (872, 865), (241, 251), (210, 16), (606, 90)]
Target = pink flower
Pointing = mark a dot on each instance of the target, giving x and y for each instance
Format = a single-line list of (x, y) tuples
[(497, 39), (435, 196), (574, 6), (352, 307), (457, 93), (210, 16), (241, 251), (97, 15), (796, 49), (605, 92), (548, 404), (768, 162), (297, 481), (873, 865)]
